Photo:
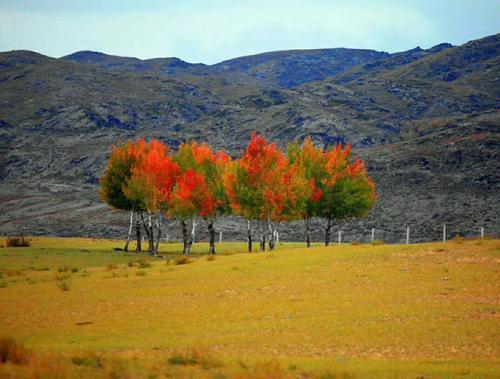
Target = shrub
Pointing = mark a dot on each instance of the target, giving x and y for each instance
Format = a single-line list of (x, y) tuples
[(143, 263), (63, 281), (181, 260), (458, 239), (140, 273), (11, 351), (92, 359), (74, 269), (18, 242), (355, 243), (378, 242), (111, 266), (194, 357), (211, 257)]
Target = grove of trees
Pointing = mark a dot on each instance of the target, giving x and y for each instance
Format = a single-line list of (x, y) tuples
[(265, 186)]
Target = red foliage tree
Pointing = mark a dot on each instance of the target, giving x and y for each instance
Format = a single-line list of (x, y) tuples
[(151, 186)]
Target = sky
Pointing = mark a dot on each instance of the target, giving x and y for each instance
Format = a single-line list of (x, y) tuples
[(211, 31)]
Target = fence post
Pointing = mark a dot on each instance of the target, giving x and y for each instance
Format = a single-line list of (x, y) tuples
[(444, 232), (166, 238), (220, 237), (373, 234), (340, 236), (407, 235), (277, 237), (482, 232)]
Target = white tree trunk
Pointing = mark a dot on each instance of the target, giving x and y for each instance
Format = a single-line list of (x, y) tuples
[(129, 230)]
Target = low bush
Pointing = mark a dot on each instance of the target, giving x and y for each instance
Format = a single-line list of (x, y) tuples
[(111, 266), (143, 263), (194, 357), (458, 239), (181, 260), (140, 273), (13, 352), (18, 242), (211, 257), (378, 242), (63, 281), (91, 359), (355, 243)]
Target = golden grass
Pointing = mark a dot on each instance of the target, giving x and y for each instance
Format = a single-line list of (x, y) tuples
[(364, 310)]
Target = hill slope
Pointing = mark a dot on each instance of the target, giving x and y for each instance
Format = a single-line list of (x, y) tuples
[(59, 117)]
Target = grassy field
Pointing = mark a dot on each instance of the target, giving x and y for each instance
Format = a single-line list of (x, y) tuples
[(83, 310)]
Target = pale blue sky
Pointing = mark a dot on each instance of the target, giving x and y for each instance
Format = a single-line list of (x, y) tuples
[(211, 31)]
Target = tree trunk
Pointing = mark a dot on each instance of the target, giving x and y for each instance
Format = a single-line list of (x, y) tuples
[(328, 231), (262, 238), (185, 250), (138, 248), (129, 235), (272, 234), (158, 236), (211, 233), (193, 231), (307, 221), (151, 246), (249, 236)]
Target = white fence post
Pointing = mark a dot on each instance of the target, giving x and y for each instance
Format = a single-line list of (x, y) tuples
[(373, 234), (220, 237), (277, 237), (444, 233), (166, 238), (407, 235), (482, 232), (340, 236)]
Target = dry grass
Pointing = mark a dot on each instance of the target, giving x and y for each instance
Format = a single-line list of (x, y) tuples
[(368, 311)]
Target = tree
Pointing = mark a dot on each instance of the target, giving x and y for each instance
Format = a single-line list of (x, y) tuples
[(311, 160), (116, 175), (263, 185), (151, 184), (200, 191), (190, 198), (347, 190)]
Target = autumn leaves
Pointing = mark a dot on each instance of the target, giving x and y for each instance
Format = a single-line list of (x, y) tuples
[(263, 185)]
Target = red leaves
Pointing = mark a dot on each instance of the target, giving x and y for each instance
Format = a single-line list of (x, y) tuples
[(191, 196), (263, 184)]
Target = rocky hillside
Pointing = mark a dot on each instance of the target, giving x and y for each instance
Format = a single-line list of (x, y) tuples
[(426, 121)]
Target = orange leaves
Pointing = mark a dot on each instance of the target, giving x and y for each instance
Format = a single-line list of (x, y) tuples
[(200, 189), (191, 196), (263, 184), (153, 175)]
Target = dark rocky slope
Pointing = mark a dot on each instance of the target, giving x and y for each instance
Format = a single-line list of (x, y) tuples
[(426, 121)]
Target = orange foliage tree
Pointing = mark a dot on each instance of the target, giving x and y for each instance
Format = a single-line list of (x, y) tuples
[(263, 185), (347, 190), (150, 185), (199, 191), (118, 171), (312, 162)]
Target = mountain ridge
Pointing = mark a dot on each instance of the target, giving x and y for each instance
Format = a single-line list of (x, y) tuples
[(416, 130)]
